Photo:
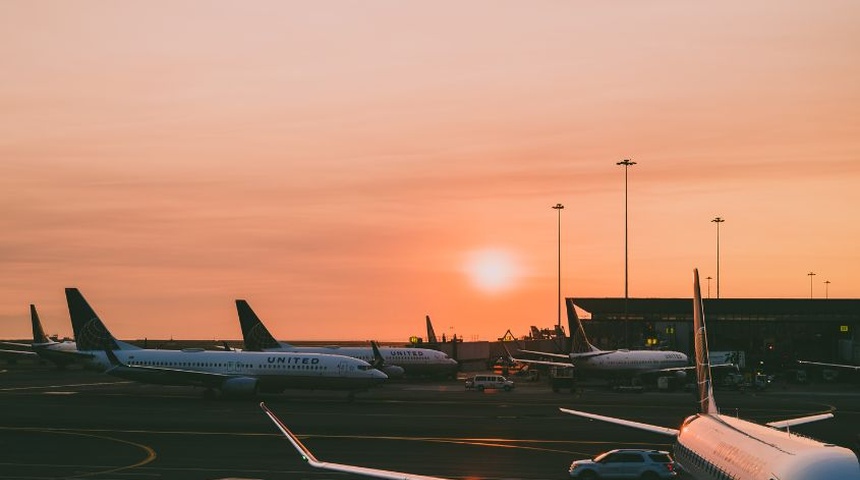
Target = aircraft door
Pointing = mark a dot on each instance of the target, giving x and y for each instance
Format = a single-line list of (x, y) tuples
[(342, 369)]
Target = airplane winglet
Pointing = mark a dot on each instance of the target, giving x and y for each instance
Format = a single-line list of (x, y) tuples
[(297, 444), (338, 467)]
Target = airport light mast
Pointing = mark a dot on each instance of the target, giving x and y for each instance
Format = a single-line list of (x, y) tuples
[(559, 207), (718, 221), (627, 163)]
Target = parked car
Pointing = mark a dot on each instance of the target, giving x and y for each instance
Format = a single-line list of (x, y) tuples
[(626, 463), (481, 382)]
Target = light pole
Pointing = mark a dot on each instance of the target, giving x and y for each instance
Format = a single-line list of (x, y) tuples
[(811, 274), (627, 163), (718, 221), (826, 288), (708, 278), (559, 207)]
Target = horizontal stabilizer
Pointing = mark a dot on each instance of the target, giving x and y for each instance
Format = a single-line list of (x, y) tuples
[(799, 420), (627, 423)]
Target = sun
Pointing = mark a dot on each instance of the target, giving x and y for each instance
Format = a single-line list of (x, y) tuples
[(493, 270)]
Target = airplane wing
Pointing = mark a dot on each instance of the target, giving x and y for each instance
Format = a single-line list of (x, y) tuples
[(15, 353), (542, 362), (547, 354), (15, 344), (339, 467), (568, 356), (551, 363), (12, 355), (799, 420), (824, 364), (627, 423)]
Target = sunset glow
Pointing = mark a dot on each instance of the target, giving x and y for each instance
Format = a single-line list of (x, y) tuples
[(342, 165), (493, 270)]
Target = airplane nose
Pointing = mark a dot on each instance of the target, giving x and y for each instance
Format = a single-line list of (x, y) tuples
[(377, 375)]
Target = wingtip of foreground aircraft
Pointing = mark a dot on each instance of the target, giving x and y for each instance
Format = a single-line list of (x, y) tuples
[(309, 457)]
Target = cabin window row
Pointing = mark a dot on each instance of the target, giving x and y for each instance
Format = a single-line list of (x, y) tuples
[(223, 365)]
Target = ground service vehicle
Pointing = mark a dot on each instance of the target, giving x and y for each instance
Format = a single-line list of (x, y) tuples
[(626, 463), (481, 382)]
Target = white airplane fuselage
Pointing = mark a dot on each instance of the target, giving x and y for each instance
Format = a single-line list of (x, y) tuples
[(629, 361), (744, 450), (414, 361), (268, 371)]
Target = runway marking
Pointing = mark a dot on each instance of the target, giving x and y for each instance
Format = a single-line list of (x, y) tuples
[(150, 453), (42, 387)]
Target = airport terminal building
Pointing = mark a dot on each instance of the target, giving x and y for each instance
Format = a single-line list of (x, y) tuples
[(771, 332)]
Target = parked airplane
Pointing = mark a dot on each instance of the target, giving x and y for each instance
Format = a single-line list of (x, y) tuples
[(711, 446), (397, 361), (616, 363), (339, 467), (60, 353), (230, 372)]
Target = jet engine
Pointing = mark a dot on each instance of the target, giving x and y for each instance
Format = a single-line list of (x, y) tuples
[(239, 387), (393, 371)]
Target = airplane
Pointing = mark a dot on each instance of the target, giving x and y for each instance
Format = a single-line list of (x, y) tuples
[(339, 467), (616, 363), (60, 354), (712, 446), (396, 361), (230, 373)]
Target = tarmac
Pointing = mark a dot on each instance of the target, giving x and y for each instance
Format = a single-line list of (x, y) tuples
[(78, 424)]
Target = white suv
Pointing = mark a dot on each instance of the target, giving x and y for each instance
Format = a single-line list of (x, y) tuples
[(626, 463), (480, 382)]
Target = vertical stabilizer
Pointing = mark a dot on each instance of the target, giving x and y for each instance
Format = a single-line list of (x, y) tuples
[(703, 364), (255, 335), (579, 341), (38, 332), (431, 334), (90, 333)]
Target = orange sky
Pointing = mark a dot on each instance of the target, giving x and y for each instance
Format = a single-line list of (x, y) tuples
[(339, 164)]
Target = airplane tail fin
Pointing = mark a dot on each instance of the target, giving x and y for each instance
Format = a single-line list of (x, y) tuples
[(579, 340), (255, 335), (703, 364), (90, 332), (38, 332), (431, 334)]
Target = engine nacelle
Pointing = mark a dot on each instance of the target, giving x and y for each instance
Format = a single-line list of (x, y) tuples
[(681, 374), (239, 387), (393, 371)]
